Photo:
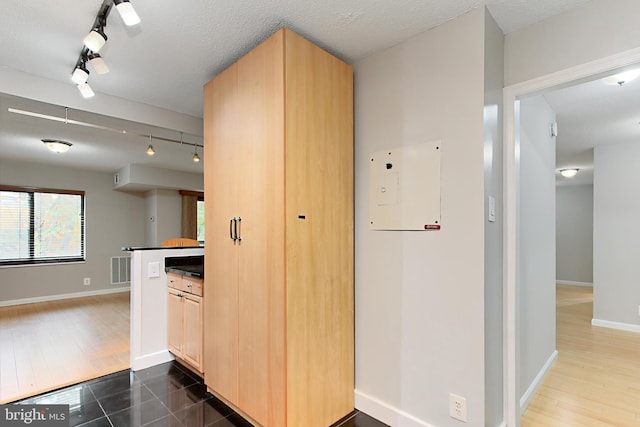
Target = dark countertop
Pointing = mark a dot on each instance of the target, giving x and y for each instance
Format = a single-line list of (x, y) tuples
[(192, 266), (150, 248)]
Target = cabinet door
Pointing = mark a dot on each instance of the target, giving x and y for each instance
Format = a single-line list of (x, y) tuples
[(174, 321), (192, 345), (261, 263), (222, 174)]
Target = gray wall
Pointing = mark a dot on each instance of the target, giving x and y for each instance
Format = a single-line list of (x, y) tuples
[(537, 240), (113, 220), (493, 83), (616, 266), (574, 233), (597, 29), (420, 295)]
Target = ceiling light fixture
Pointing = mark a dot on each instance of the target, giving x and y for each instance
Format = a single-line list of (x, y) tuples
[(98, 63), (96, 38), (57, 146), (127, 12), (569, 173), (196, 158), (86, 91), (150, 150), (622, 78), (80, 73)]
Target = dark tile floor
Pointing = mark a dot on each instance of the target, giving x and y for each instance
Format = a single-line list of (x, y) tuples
[(166, 395)]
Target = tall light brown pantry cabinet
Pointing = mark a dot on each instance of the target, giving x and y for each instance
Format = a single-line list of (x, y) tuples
[(279, 314)]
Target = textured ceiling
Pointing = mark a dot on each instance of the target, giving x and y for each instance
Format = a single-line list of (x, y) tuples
[(180, 45)]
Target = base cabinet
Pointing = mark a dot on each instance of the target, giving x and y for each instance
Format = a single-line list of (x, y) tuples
[(279, 319), (185, 320)]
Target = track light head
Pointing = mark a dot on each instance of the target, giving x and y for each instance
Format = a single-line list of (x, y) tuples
[(95, 39), (127, 12), (150, 151), (98, 64), (86, 91), (80, 73), (196, 158)]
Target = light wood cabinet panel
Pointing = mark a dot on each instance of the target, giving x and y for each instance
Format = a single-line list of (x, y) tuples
[(185, 320), (192, 334), (174, 322), (221, 122), (279, 155)]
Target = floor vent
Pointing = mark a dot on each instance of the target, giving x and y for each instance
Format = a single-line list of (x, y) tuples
[(120, 270)]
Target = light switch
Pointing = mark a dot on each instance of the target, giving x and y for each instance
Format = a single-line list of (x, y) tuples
[(154, 269), (492, 209)]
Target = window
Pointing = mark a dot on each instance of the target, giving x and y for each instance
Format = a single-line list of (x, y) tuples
[(200, 219), (41, 226)]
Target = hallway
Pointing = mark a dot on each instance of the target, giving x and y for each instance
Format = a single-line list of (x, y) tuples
[(596, 379)]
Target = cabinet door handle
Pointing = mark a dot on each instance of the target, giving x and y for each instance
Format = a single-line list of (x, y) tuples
[(239, 230), (231, 236), (235, 229)]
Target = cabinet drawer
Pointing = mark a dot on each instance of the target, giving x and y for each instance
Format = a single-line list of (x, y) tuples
[(192, 285), (174, 281)]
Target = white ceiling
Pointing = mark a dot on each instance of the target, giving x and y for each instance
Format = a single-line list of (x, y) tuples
[(180, 45)]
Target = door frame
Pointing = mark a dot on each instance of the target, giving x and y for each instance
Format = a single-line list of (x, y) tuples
[(511, 94)]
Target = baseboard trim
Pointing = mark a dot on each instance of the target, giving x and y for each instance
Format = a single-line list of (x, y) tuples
[(616, 325), (573, 283), (528, 395), (149, 360), (63, 296), (386, 413)]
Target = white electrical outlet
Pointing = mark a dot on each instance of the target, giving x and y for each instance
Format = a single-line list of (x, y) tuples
[(458, 407), (87, 281)]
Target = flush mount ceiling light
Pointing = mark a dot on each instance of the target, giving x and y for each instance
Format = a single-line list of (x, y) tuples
[(568, 173), (56, 145), (622, 78), (127, 12)]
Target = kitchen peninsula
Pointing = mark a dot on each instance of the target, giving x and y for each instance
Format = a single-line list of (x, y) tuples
[(149, 341)]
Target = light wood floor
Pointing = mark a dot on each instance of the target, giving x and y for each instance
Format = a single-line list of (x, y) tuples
[(44, 346), (596, 379)]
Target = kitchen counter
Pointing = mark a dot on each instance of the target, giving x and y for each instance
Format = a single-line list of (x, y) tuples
[(192, 266)]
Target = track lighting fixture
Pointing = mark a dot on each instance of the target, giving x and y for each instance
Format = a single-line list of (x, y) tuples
[(86, 90), (127, 12), (98, 63), (80, 73), (95, 39), (150, 150), (196, 158)]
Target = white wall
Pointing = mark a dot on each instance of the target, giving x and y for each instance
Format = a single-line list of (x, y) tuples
[(493, 78), (537, 242), (574, 233), (616, 266), (420, 295), (113, 220), (163, 216), (595, 30)]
